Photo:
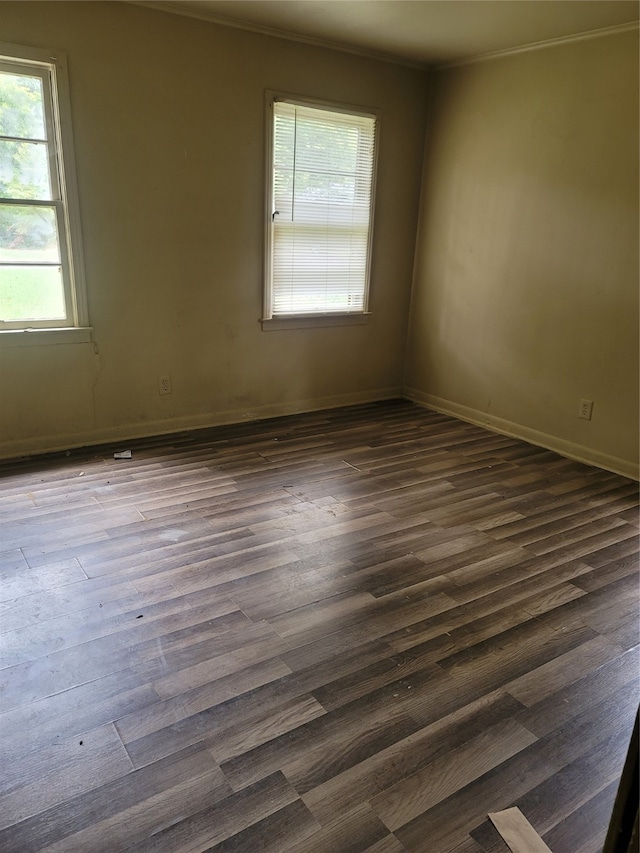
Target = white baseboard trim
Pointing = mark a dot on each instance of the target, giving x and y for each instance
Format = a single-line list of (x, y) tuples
[(565, 448), (120, 434)]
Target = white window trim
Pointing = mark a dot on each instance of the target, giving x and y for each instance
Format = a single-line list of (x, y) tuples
[(268, 321), (40, 337), (77, 327)]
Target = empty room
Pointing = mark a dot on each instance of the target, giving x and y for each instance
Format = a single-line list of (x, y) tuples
[(318, 425)]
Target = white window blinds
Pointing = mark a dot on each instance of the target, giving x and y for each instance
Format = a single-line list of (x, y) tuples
[(323, 168)]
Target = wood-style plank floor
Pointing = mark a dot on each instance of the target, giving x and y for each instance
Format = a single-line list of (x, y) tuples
[(354, 630)]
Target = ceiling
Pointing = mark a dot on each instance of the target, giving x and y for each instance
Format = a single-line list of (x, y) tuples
[(422, 32)]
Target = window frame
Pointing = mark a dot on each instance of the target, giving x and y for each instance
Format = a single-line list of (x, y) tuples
[(51, 66), (269, 320)]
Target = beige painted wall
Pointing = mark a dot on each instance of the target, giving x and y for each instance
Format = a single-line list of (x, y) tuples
[(526, 282), (168, 116)]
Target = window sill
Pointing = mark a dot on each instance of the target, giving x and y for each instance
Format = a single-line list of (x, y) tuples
[(308, 321), (45, 337)]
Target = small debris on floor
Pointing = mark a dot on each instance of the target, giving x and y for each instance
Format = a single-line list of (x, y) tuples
[(140, 616), (122, 454)]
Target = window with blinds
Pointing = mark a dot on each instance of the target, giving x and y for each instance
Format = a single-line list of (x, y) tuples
[(321, 210)]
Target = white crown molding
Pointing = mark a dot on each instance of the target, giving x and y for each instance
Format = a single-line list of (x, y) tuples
[(176, 8), (537, 45)]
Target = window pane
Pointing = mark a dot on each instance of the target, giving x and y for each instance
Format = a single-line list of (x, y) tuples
[(21, 106), (284, 139), (31, 293), (332, 148), (322, 188), (41, 273), (319, 269), (283, 193), (24, 170), (28, 234)]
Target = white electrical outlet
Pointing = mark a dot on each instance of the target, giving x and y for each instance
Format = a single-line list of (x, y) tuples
[(586, 409), (164, 384)]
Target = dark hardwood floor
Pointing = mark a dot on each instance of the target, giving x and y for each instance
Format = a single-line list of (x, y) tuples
[(353, 630)]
